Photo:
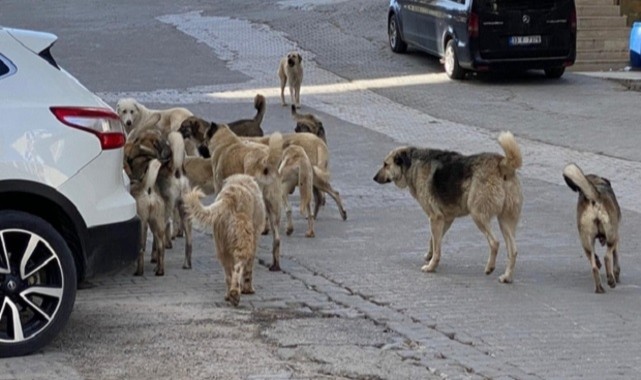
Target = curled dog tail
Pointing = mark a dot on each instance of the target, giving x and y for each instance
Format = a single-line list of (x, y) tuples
[(576, 180), (152, 174), (260, 104), (205, 216), (513, 159), (275, 150)]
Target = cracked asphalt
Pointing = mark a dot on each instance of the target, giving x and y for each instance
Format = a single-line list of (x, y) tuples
[(352, 303)]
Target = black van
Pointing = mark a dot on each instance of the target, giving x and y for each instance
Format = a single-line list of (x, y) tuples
[(484, 35)]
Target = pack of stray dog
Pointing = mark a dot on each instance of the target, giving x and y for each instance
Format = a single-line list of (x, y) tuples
[(174, 158)]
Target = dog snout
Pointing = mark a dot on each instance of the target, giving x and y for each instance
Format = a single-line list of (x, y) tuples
[(128, 123), (297, 129), (290, 62), (381, 178)]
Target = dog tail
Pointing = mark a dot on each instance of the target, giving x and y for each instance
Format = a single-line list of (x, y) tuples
[(152, 174), (260, 104), (513, 159), (305, 175), (203, 215), (275, 149), (576, 180), (177, 144)]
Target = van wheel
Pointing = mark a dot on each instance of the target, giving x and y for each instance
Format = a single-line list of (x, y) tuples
[(452, 68), (396, 43), (554, 72), (37, 283)]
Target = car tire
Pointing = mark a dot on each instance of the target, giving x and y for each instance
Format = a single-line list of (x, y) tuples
[(37, 283), (396, 43), (554, 72), (451, 65)]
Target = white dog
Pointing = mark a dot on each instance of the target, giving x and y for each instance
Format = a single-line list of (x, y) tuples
[(290, 70), (135, 115)]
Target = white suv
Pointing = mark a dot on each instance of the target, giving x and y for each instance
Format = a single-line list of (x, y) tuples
[(65, 212)]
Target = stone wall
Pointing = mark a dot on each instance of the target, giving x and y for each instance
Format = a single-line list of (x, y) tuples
[(632, 9)]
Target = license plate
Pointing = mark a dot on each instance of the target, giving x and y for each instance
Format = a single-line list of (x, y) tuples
[(525, 40)]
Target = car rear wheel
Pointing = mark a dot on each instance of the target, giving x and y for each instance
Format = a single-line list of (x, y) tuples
[(396, 43), (452, 67), (554, 72), (37, 283)]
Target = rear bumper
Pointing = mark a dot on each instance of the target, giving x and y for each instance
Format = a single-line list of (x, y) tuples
[(471, 59), (112, 247)]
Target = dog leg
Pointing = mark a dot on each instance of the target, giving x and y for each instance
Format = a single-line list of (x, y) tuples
[(430, 252), (326, 187), (310, 223), (186, 223), (589, 252), (297, 94), (168, 243), (508, 228), (609, 258), (160, 235), (483, 223), (140, 268), (283, 82), (273, 214), (292, 94), (288, 214), (615, 257), (228, 272), (437, 225), (319, 200), (236, 278), (248, 275)]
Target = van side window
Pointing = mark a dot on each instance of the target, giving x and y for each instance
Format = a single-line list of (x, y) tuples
[(6, 67)]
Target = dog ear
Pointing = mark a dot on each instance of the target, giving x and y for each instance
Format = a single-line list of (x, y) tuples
[(403, 159), (300, 57), (213, 127), (321, 131), (204, 151)]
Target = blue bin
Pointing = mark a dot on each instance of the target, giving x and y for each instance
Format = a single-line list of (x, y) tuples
[(635, 45)]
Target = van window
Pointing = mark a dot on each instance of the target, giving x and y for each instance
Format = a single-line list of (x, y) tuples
[(6, 67), (507, 5)]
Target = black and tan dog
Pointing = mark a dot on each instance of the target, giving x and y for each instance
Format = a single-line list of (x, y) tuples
[(307, 122), (449, 185), (598, 216)]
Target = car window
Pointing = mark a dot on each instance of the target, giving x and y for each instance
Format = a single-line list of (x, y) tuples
[(6, 67)]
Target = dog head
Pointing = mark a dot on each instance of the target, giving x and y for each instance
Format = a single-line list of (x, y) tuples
[(308, 123), (194, 128), (147, 146), (395, 166), (129, 111), (294, 59)]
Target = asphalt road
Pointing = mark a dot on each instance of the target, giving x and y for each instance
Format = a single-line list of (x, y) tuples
[(352, 302)]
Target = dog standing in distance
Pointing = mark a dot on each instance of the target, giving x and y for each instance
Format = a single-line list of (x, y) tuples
[(449, 185), (309, 123), (290, 72), (598, 216), (237, 218)]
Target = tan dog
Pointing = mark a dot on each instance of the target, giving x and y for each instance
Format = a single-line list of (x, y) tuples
[(237, 218), (232, 155), (295, 170), (133, 115), (598, 216), (318, 155), (200, 174), (308, 123), (449, 185), (290, 71), (151, 211)]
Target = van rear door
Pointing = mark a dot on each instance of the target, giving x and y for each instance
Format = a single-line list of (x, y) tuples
[(526, 29)]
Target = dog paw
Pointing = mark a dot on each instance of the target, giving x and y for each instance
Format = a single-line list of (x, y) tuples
[(612, 282), (599, 289), (344, 214), (186, 266), (160, 272), (310, 234), (427, 268), (289, 230), (234, 297), (489, 270), (505, 279), (274, 268), (138, 273), (249, 291)]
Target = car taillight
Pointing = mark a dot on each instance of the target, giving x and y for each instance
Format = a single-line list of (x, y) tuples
[(473, 25), (102, 122), (573, 20)]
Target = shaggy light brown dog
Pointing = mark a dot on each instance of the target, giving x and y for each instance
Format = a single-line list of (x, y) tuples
[(597, 216), (290, 71), (318, 155), (449, 185), (151, 211), (237, 218), (232, 155), (295, 170), (199, 172)]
